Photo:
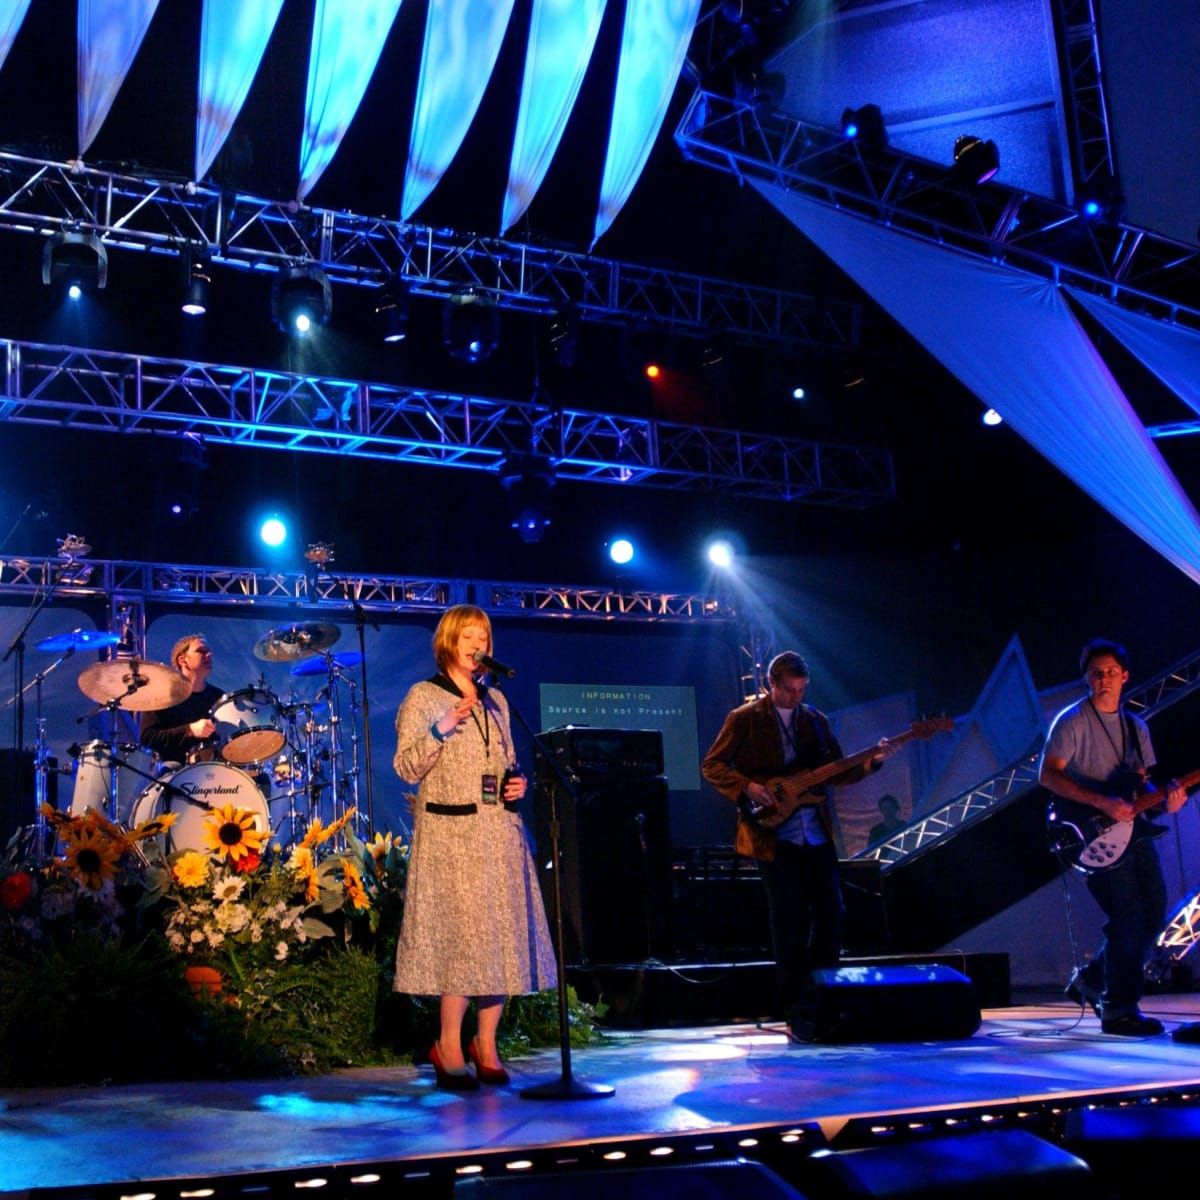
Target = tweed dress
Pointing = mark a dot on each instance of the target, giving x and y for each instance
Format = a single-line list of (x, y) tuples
[(474, 923)]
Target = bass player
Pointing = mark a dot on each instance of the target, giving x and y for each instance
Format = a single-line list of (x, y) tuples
[(1099, 755), (774, 735)]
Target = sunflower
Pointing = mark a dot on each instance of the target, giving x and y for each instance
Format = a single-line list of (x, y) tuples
[(380, 846), (153, 827), (352, 882), (91, 855), (315, 834), (233, 832), (190, 869)]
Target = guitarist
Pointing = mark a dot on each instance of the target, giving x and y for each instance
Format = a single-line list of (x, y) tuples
[(1098, 754), (773, 735)]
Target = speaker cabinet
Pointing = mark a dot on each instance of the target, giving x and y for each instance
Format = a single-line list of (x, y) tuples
[(918, 1003), (616, 867)]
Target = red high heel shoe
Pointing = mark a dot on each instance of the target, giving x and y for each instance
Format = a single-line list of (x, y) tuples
[(494, 1075), (451, 1081)]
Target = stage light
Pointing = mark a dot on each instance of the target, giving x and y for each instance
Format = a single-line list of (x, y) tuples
[(720, 554), (528, 478), (992, 417), (865, 125), (652, 370), (564, 335), (620, 550), (273, 532), (301, 297), (76, 262), (197, 275), (1101, 200), (798, 393), (975, 161), (391, 309), (470, 326)]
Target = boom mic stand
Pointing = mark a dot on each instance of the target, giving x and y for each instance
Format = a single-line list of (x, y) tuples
[(360, 622), (567, 1086)]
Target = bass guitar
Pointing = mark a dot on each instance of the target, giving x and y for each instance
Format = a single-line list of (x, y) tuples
[(1089, 840), (791, 792)]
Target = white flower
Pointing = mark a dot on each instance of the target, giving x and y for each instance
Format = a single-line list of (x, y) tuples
[(231, 917), (229, 888), (176, 941), (281, 951), (256, 932), (196, 937), (215, 936)]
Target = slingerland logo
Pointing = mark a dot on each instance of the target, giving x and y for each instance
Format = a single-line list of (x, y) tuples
[(196, 789)]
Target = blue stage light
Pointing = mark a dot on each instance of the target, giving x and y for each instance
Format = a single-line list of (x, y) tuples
[(620, 550), (74, 292), (301, 297), (720, 554), (1091, 208), (273, 532)]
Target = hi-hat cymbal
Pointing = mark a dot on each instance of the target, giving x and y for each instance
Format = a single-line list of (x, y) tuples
[(290, 642), (327, 662), (152, 687), (77, 639)]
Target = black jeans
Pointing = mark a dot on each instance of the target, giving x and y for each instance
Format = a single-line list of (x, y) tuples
[(1133, 896), (804, 903)]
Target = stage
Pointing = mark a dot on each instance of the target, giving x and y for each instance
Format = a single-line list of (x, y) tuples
[(679, 1094)]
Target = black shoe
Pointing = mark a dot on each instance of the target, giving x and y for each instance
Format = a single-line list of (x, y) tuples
[(801, 1033), (1134, 1025), (1080, 991)]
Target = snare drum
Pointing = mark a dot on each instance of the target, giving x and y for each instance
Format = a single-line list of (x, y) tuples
[(205, 786), (249, 725), (93, 774)]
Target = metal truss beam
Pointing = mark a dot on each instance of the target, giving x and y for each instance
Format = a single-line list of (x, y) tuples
[(1042, 237), (132, 213), (115, 392), (1149, 698), (1087, 108), (128, 587)]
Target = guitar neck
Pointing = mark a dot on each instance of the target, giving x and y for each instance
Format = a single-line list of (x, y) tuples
[(843, 766), (1148, 800)]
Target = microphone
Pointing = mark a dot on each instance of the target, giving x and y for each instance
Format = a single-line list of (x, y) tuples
[(488, 663)]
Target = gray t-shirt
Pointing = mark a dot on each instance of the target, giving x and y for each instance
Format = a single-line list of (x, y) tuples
[(1100, 749)]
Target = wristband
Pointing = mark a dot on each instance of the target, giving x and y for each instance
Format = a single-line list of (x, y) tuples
[(437, 733)]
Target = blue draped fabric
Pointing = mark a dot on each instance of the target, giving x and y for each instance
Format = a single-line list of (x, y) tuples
[(653, 45), (1013, 340), (233, 39), (12, 13), (1170, 351), (348, 36), (562, 36), (462, 42), (110, 33)]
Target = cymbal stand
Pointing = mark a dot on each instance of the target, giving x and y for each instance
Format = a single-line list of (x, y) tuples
[(352, 772), (336, 799)]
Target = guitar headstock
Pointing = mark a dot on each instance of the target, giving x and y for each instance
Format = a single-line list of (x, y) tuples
[(927, 728)]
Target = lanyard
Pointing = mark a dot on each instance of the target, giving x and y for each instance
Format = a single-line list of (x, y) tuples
[(485, 730), (788, 730)]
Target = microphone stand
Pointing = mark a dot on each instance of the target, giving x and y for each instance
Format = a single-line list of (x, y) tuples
[(567, 1086), (360, 621)]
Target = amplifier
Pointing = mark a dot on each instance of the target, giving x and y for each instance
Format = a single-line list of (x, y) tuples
[(606, 753)]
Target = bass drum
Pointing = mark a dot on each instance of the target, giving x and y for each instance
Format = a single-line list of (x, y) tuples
[(93, 773), (192, 792)]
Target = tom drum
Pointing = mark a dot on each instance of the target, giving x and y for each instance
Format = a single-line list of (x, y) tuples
[(93, 775), (249, 725)]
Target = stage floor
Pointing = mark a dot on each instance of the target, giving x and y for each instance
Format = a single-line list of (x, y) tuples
[(668, 1082)]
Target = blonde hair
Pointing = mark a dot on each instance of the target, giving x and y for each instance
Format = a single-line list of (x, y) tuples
[(449, 629), (182, 646)]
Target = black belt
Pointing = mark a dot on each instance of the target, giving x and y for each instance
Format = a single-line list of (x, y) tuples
[(464, 810)]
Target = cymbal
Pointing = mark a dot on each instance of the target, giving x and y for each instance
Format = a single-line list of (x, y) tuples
[(154, 686), (318, 666), (77, 639), (290, 642)]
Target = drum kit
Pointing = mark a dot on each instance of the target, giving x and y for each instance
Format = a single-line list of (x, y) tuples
[(283, 761)]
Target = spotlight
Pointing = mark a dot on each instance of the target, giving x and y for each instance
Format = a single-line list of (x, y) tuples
[(273, 532), (653, 370), (197, 275), (76, 262), (1102, 201), (392, 310), (975, 161), (798, 393), (470, 326), (992, 417), (720, 554), (528, 479), (865, 125), (301, 297), (620, 550)]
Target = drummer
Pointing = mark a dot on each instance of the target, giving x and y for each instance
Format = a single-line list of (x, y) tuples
[(185, 732)]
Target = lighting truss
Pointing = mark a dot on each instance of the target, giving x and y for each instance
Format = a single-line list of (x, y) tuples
[(1178, 939), (1087, 107), (1020, 777), (133, 213), (116, 392), (128, 587), (1042, 237)]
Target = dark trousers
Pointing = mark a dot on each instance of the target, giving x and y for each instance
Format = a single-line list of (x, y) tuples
[(1133, 898), (804, 903)]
